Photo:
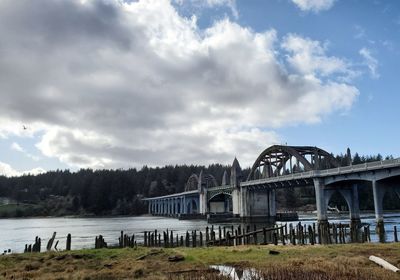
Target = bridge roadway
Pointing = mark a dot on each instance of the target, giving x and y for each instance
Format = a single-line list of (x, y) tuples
[(254, 199)]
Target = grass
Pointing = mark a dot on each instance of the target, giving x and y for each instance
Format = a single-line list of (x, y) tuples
[(293, 262)]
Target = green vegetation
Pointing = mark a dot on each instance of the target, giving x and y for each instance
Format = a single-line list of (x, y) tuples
[(292, 262), (119, 192)]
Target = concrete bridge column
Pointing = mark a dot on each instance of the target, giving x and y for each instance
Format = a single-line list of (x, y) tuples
[(164, 207), (202, 207), (319, 186), (320, 197), (244, 200), (236, 202), (355, 207), (272, 203), (378, 190)]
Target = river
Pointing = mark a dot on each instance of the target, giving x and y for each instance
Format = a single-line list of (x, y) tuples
[(15, 233)]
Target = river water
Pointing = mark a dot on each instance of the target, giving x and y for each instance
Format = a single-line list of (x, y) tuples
[(15, 233)]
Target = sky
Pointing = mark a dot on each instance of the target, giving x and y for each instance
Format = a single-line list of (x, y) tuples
[(122, 84)]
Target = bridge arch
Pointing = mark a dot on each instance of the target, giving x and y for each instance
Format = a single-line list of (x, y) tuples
[(280, 160), (192, 207), (196, 182)]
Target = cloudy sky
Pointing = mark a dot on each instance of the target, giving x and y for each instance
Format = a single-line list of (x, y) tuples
[(119, 84)]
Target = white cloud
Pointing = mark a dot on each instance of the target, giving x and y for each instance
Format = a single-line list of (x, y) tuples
[(308, 57), (128, 84), (314, 5), (371, 62), (7, 170), (15, 146)]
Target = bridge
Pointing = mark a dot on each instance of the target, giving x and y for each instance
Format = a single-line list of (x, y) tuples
[(253, 198)]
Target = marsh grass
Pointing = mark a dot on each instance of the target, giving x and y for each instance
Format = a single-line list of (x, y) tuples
[(293, 262)]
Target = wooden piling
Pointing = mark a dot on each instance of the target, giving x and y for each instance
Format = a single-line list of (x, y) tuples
[(194, 239), (255, 235), (68, 246), (395, 234)]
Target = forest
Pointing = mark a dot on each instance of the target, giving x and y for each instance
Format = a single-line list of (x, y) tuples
[(119, 192)]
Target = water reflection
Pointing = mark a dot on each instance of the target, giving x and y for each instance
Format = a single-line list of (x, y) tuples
[(237, 273)]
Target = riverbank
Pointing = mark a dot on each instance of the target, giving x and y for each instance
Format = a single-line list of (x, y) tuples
[(304, 262)]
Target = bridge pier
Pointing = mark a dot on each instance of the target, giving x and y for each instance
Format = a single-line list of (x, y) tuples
[(320, 199), (322, 218), (379, 191)]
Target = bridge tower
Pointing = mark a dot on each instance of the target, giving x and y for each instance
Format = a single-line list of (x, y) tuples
[(236, 178)]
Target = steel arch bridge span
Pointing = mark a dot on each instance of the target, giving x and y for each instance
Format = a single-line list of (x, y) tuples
[(202, 181), (281, 160)]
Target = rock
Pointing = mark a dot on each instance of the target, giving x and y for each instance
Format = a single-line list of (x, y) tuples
[(176, 258)]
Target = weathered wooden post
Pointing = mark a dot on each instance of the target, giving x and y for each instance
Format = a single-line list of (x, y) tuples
[(194, 239), (282, 236), (187, 239), (248, 235), (201, 238), (50, 242), (395, 234), (293, 237), (68, 247), (311, 235), (265, 236), (207, 235), (121, 239), (235, 242), (181, 243), (275, 238), (145, 239), (255, 234), (219, 235), (239, 230), (171, 239)]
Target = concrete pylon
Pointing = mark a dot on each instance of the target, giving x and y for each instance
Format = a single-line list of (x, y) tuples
[(236, 173), (225, 179), (379, 190), (319, 186), (203, 194)]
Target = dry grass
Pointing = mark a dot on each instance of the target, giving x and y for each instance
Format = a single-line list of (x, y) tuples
[(300, 262)]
